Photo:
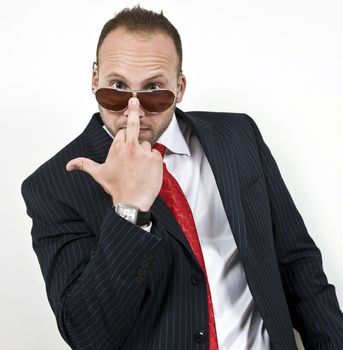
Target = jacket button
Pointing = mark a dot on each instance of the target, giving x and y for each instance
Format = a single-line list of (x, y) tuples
[(148, 256), (144, 263), (141, 271), (139, 279), (199, 336), (196, 279)]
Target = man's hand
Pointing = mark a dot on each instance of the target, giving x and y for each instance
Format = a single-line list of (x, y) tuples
[(132, 172)]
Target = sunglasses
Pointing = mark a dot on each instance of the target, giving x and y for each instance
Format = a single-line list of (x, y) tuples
[(153, 101)]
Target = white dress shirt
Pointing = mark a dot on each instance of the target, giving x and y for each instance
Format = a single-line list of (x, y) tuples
[(238, 323)]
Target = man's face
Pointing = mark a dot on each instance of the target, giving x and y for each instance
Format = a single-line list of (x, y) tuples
[(139, 62)]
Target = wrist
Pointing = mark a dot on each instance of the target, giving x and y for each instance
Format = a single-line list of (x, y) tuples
[(132, 214), (141, 204)]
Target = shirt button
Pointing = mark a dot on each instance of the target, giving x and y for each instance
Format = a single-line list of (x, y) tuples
[(196, 279), (199, 336)]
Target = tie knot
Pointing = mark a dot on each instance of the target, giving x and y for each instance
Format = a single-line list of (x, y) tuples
[(159, 148)]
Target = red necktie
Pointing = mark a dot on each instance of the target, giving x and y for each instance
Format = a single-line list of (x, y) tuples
[(174, 198)]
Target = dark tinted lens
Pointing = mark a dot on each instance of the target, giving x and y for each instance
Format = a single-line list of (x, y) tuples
[(156, 101), (112, 99)]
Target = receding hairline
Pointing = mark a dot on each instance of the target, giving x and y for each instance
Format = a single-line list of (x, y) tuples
[(143, 35), (141, 21)]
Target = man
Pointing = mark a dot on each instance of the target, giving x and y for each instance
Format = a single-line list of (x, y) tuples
[(159, 229)]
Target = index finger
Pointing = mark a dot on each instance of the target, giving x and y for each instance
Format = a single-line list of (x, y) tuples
[(133, 122)]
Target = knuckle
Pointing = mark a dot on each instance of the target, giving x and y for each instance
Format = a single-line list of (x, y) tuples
[(131, 147), (146, 144), (157, 154), (116, 146), (82, 165)]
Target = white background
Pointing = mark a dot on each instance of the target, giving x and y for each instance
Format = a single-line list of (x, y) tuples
[(279, 61)]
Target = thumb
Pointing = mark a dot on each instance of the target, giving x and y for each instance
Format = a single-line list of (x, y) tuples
[(83, 164)]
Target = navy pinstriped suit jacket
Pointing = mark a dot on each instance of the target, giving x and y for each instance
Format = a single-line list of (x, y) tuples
[(114, 286)]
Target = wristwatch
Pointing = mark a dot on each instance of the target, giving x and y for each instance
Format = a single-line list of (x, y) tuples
[(133, 214)]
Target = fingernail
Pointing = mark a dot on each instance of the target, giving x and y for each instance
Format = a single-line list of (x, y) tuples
[(134, 101)]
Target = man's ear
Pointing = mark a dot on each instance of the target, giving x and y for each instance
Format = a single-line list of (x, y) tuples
[(181, 87), (95, 77)]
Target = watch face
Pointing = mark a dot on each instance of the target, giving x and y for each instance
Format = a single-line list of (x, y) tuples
[(126, 212)]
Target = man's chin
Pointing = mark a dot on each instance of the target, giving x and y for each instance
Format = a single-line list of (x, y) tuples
[(144, 135), (149, 138)]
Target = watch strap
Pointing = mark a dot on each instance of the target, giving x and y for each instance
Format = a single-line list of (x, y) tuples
[(143, 218)]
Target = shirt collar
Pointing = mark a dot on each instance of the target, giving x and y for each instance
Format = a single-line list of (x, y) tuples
[(172, 138)]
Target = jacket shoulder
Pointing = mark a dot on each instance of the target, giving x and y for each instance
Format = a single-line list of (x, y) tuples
[(229, 118), (84, 145), (232, 116), (233, 125), (55, 165)]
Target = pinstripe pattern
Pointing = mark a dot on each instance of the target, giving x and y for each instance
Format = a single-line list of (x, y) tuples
[(113, 286)]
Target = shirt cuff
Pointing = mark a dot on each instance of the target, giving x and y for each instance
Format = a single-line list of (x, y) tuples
[(147, 228)]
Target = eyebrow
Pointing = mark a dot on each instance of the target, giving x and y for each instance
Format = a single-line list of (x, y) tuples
[(121, 77)]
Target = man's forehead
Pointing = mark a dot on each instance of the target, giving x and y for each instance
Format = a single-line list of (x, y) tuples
[(123, 45), (123, 34)]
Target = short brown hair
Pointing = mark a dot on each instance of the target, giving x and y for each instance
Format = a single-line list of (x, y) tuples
[(140, 20)]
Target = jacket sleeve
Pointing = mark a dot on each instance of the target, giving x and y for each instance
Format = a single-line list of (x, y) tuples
[(312, 301), (95, 281)]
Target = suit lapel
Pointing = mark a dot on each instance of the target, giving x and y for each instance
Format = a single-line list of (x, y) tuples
[(220, 155), (162, 213), (96, 140)]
